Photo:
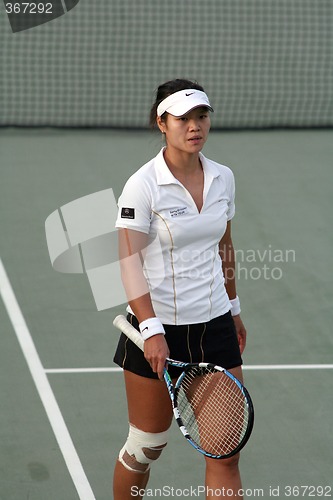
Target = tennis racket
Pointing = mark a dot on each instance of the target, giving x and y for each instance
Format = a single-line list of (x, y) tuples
[(212, 408)]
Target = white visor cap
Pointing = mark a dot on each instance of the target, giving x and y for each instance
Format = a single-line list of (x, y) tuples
[(180, 103)]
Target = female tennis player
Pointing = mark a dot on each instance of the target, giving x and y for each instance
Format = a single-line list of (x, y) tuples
[(178, 270)]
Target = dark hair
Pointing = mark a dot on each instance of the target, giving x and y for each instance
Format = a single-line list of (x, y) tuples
[(167, 89)]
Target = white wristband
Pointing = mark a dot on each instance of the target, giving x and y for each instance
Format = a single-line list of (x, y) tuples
[(235, 306), (150, 327)]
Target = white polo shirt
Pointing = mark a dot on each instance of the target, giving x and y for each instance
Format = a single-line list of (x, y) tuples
[(182, 264)]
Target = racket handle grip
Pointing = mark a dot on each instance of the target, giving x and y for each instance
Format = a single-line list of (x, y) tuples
[(124, 326)]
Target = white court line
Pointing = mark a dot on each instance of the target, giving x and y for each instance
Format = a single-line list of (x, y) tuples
[(83, 370), (245, 367), (288, 367), (44, 389)]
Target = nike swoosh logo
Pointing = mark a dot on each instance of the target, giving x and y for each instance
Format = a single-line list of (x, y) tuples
[(146, 328), (189, 94)]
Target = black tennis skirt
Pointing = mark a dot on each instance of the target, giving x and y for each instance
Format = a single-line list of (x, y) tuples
[(212, 342)]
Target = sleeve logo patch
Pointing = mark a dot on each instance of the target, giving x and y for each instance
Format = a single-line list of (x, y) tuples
[(127, 213)]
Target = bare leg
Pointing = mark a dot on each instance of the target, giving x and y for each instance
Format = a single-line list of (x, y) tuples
[(150, 410), (127, 484), (223, 475)]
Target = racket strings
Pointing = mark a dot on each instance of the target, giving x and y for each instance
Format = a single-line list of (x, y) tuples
[(213, 409), (209, 436), (216, 436)]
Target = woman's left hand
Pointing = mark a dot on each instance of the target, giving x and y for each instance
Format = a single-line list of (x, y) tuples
[(241, 332)]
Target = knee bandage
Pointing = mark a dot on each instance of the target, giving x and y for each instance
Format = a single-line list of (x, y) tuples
[(141, 449)]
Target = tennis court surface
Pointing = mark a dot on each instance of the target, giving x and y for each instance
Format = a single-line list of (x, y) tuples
[(63, 412)]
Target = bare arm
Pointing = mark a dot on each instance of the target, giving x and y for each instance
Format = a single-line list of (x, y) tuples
[(227, 254), (132, 245)]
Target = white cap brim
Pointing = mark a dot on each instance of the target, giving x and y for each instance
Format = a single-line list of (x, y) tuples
[(180, 103)]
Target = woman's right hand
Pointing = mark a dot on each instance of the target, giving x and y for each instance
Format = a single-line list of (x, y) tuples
[(156, 351)]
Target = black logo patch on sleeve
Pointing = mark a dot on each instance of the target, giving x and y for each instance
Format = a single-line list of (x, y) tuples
[(128, 213)]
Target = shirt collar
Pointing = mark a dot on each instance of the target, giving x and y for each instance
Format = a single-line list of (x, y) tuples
[(164, 175)]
